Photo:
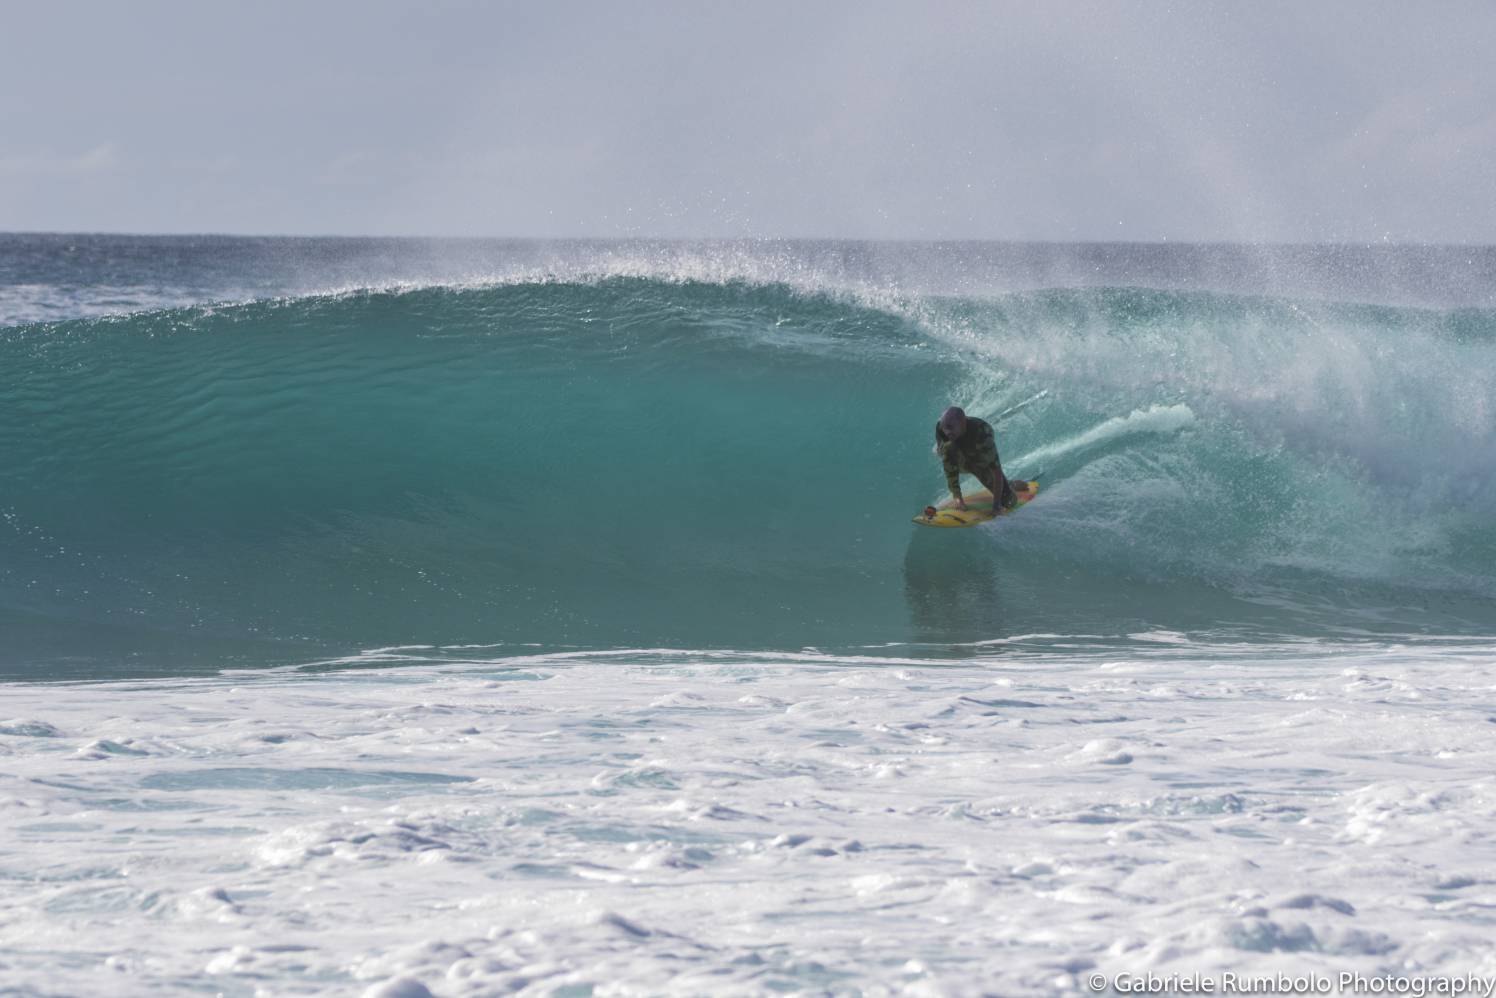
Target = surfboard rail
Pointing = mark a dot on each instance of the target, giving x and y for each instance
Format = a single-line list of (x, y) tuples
[(979, 507)]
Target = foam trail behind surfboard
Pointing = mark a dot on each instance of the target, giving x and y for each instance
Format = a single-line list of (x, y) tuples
[(1154, 419), (1010, 410)]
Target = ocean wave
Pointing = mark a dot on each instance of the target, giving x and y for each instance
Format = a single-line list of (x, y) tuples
[(709, 460)]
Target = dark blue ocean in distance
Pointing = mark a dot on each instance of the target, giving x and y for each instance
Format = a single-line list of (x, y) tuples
[(234, 452)]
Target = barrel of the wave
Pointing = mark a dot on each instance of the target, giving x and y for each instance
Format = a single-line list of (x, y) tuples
[(278, 482)]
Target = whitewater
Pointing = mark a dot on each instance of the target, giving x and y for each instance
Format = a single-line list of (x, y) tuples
[(398, 617)]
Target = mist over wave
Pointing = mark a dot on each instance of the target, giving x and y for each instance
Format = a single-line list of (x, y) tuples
[(61, 276), (695, 458)]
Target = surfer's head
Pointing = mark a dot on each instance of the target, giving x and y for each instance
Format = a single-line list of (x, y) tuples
[(953, 422)]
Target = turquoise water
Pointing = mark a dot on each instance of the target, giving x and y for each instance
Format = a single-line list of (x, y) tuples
[(719, 456)]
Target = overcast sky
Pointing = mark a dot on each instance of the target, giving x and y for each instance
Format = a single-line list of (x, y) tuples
[(1056, 121)]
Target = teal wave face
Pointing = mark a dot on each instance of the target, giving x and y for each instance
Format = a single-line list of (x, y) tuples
[(621, 463), (637, 462)]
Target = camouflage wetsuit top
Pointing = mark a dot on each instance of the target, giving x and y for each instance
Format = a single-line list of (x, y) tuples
[(974, 452)]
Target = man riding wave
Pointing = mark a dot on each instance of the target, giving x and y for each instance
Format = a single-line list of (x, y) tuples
[(967, 444)]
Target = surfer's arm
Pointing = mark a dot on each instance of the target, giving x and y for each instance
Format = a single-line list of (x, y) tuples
[(953, 479), (952, 469)]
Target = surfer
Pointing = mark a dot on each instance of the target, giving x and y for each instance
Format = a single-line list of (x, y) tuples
[(968, 444)]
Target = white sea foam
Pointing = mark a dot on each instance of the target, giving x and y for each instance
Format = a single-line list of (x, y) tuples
[(1150, 420), (647, 822)]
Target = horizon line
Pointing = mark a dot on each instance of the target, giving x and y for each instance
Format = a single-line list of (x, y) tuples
[(891, 240)]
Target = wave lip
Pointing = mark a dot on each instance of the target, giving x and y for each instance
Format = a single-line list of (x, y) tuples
[(64, 276)]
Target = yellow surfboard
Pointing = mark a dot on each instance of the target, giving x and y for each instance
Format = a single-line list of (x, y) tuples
[(978, 508)]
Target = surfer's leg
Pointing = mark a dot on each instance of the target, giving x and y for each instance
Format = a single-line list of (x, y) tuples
[(985, 476), (989, 471), (997, 484), (1010, 498)]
